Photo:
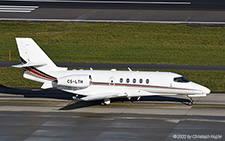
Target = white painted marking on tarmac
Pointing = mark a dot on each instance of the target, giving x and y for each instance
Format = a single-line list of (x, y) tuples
[(17, 9), (112, 2), (108, 21), (13, 6), (14, 9)]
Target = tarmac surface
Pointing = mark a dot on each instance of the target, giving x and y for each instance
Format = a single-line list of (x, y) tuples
[(149, 11), (34, 114)]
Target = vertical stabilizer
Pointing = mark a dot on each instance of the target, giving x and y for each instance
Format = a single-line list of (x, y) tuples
[(37, 65), (31, 53)]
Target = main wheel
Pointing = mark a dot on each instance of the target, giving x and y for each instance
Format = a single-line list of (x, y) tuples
[(106, 102)]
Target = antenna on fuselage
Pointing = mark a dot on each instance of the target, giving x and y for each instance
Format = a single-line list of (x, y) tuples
[(129, 69)]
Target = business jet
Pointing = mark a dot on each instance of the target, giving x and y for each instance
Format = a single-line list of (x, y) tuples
[(90, 85)]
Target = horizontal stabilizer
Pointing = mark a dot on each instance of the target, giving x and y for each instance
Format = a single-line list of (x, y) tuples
[(103, 96), (28, 65)]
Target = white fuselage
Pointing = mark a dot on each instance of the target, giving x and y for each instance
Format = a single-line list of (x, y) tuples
[(134, 83)]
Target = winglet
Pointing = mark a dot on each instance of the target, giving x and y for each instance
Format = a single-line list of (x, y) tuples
[(129, 69)]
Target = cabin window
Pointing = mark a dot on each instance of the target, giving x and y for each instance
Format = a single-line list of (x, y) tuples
[(134, 80), (180, 79), (128, 80), (121, 80), (147, 81), (140, 80)]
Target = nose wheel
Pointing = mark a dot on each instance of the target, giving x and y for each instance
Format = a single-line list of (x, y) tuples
[(190, 103)]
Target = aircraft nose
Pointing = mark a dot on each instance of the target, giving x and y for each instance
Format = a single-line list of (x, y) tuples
[(204, 90)]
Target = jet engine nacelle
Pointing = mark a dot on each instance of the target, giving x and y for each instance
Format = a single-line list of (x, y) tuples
[(74, 81)]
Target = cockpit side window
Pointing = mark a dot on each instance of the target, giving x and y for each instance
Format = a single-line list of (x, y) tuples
[(180, 79)]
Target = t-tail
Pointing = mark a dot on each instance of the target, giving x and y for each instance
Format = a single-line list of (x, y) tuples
[(37, 65)]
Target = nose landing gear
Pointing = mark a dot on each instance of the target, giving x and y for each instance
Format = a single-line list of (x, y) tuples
[(190, 102)]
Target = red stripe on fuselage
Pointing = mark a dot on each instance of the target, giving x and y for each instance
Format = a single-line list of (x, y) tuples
[(39, 74)]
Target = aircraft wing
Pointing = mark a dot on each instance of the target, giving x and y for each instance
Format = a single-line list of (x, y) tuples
[(115, 95), (102, 96)]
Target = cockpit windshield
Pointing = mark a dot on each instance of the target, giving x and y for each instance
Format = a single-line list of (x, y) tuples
[(180, 79)]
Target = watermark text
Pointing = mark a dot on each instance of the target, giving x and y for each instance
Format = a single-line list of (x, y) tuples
[(195, 136)]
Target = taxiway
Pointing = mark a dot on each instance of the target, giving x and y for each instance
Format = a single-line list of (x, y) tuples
[(147, 11), (34, 114)]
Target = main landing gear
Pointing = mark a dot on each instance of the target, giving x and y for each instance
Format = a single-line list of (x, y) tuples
[(106, 102)]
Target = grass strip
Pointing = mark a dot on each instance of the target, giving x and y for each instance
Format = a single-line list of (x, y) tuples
[(119, 42)]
